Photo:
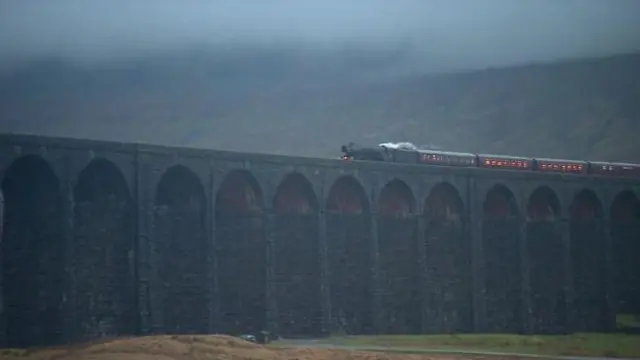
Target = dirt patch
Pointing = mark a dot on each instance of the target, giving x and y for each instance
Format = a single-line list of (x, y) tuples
[(202, 347)]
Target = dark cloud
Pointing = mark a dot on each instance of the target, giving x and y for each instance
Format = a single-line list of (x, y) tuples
[(441, 33)]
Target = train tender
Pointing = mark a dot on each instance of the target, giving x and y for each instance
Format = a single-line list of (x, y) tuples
[(408, 153)]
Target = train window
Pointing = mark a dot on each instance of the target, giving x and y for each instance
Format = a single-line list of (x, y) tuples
[(561, 167), (433, 158)]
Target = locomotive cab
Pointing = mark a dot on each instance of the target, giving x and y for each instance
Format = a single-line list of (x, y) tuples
[(350, 152)]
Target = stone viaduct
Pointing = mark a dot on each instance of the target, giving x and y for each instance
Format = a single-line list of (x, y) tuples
[(106, 239)]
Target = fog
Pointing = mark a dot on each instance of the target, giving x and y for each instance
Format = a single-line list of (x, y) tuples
[(437, 34)]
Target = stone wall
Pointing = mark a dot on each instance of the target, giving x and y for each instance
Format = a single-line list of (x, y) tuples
[(102, 239)]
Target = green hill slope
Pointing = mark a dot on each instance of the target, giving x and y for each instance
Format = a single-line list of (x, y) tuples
[(586, 109)]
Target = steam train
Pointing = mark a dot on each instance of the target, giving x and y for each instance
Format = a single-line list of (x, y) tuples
[(410, 154)]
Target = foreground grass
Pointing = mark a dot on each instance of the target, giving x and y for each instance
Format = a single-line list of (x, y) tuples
[(605, 345)]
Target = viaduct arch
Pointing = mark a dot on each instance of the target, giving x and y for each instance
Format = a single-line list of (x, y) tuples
[(588, 249), (101, 254), (33, 254), (625, 249), (181, 248), (399, 260), (448, 258), (298, 264), (349, 256), (545, 256), (241, 253), (501, 238)]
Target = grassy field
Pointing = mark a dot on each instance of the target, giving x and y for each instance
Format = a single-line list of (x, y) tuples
[(606, 345)]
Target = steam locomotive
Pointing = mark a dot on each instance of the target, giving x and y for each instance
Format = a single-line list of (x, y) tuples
[(410, 154)]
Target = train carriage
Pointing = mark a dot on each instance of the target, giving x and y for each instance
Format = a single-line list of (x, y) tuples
[(604, 168), (626, 169), (561, 166), (614, 169), (410, 154), (505, 162), (447, 158)]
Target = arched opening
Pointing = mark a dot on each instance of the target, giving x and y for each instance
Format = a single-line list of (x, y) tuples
[(33, 254), (181, 249), (502, 261), (625, 237), (297, 257), (241, 254), (399, 259), (543, 205), (349, 254), (545, 255), (588, 261), (103, 253), (448, 262)]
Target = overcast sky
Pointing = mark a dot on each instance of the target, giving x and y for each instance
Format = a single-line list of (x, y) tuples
[(472, 33)]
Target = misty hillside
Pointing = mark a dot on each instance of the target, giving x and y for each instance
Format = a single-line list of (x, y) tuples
[(310, 104)]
